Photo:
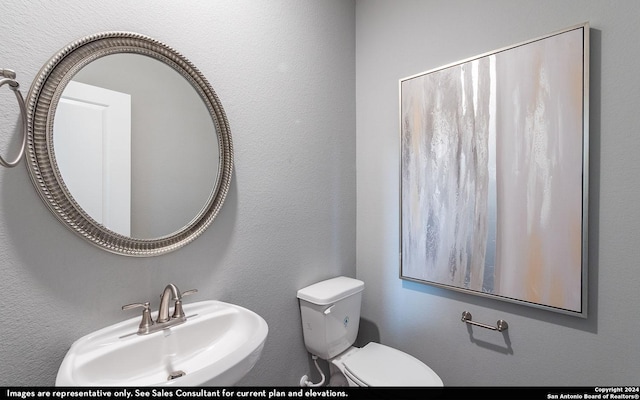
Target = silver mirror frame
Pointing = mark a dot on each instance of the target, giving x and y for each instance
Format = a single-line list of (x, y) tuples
[(42, 102)]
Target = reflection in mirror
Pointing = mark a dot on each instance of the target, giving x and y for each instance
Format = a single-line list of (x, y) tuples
[(128, 144), (135, 145)]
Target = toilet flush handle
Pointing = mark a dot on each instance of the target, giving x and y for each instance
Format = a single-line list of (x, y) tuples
[(327, 311)]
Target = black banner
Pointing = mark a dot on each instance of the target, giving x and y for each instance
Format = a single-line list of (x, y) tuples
[(326, 393)]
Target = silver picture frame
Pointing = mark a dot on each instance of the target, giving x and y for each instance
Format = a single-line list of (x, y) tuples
[(494, 173)]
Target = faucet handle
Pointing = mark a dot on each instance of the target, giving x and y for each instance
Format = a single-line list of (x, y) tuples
[(177, 308), (146, 305), (146, 321), (189, 292)]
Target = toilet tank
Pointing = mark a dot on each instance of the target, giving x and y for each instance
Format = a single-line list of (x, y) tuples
[(330, 312)]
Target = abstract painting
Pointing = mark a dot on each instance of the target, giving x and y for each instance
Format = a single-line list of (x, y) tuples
[(494, 173)]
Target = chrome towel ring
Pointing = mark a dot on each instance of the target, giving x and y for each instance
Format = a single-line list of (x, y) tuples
[(10, 79)]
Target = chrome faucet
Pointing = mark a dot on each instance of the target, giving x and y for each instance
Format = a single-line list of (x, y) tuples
[(163, 321), (170, 292)]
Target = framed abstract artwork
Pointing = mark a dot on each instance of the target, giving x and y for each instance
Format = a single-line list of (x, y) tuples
[(494, 173)]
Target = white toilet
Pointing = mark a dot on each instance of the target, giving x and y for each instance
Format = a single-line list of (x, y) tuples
[(330, 313)]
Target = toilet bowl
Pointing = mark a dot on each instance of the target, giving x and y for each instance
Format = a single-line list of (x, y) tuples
[(379, 365), (330, 313)]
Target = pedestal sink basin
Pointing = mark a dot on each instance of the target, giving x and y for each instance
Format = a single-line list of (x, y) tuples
[(217, 345)]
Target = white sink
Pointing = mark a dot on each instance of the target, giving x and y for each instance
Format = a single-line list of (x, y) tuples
[(217, 345)]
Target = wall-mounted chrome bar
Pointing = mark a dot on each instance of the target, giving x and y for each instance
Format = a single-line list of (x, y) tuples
[(9, 77), (501, 325)]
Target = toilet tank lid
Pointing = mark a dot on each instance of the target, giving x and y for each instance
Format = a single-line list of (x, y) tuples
[(331, 290)]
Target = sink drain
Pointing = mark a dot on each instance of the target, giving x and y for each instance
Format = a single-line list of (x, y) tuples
[(175, 375)]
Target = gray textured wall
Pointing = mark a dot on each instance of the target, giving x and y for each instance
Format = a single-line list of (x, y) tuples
[(401, 38), (284, 71)]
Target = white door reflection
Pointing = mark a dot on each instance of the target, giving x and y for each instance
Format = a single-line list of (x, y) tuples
[(98, 121)]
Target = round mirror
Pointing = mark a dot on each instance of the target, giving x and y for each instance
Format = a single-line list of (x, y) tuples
[(128, 144)]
